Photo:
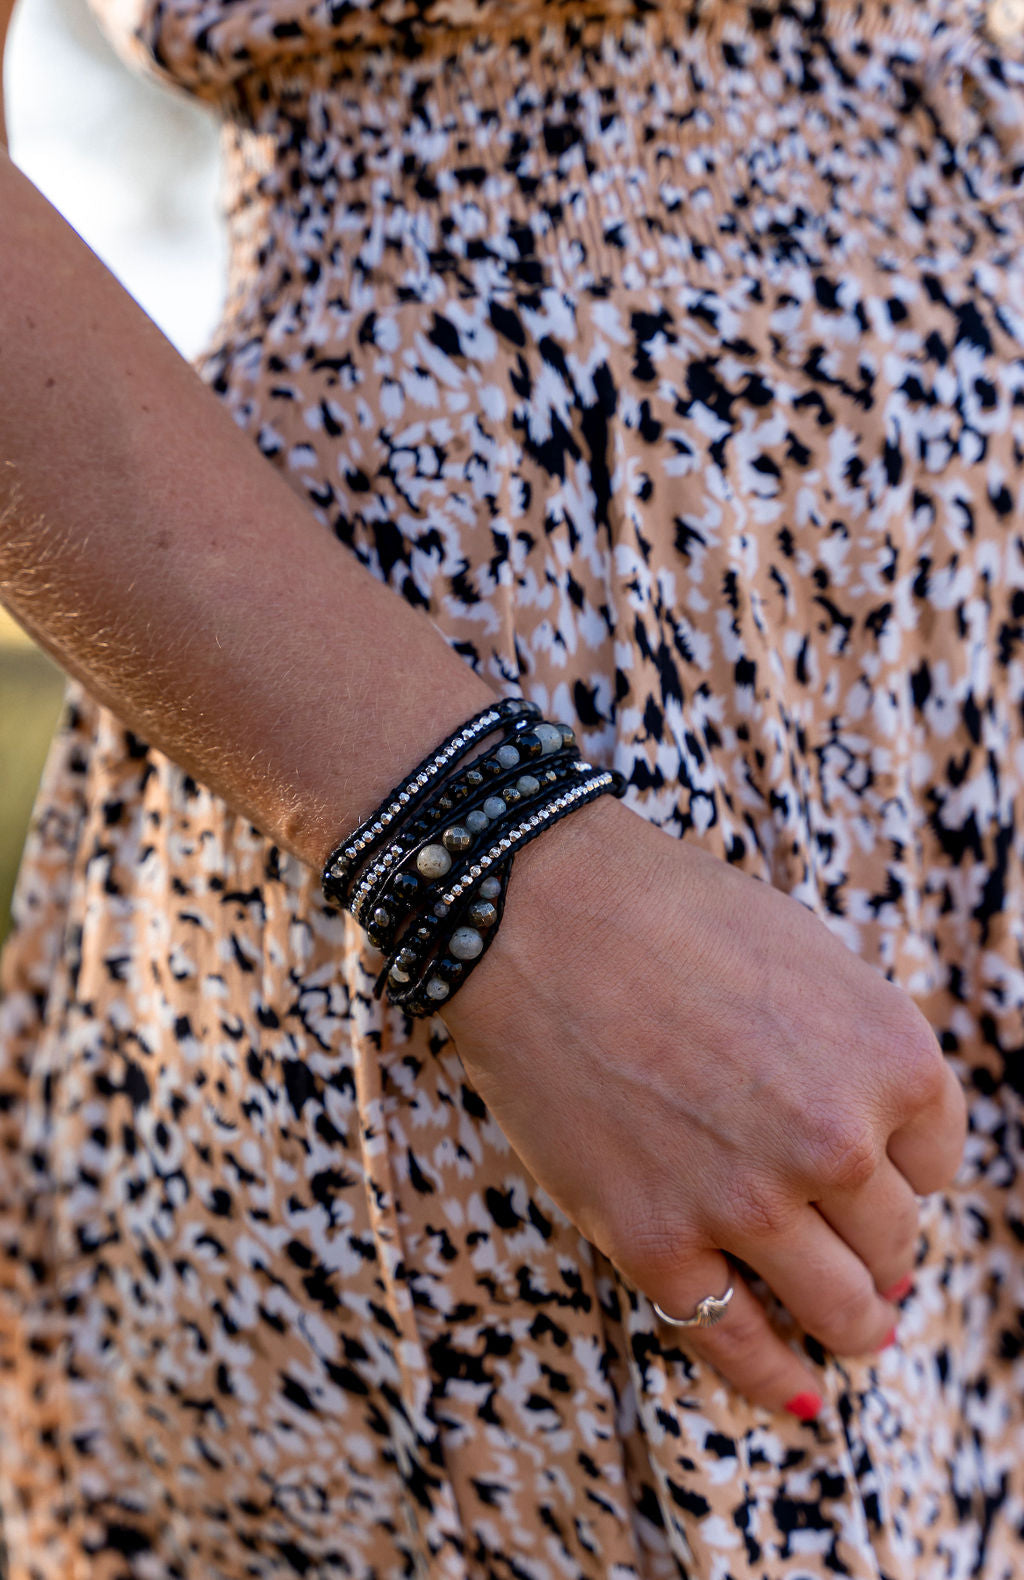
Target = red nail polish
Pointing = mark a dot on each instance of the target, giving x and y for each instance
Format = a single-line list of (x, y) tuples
[(890, 1338), (805, 1406), (899, 1291)]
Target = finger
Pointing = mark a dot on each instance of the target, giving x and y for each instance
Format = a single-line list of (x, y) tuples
[(742, 1346), (823, 1284), (928, 1149), (879, 1223)]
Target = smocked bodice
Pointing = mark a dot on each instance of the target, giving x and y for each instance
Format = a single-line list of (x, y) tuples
[(205, 45)]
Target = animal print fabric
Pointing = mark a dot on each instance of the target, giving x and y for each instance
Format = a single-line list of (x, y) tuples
[(671, 359)]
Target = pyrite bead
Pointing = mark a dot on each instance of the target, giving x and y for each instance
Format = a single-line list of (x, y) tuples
[(482, 913), (381, 917), (456, 838), (466, 943), (433, 861), (474, 778)]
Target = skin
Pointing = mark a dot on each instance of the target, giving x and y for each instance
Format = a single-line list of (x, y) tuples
[(687, 1060)]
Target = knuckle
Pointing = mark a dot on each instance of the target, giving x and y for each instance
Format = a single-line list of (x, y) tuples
[(755, 1211), (650, 1245), (845, 1153), (915, 1059)]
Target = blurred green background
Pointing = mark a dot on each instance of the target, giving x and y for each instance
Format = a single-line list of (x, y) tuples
[(31, 688)]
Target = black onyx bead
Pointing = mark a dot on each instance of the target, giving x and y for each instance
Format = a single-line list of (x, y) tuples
[(405, 886), (450, 968), (529, 744), (568, 735), (491, 765)]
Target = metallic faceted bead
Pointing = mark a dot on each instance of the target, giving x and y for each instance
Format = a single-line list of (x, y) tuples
[(437, 990), (474, 777), (433, 861), (405, 959), (494, 806), (456, 838), (510, 794), (528, 785), (490, 888), (507, 756), (445, 802), (550, 738), (465, 943), (1004, 20), (477, 821), (381, 917), (483, 914)]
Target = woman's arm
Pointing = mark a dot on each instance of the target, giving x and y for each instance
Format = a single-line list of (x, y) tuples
[(157, 556)]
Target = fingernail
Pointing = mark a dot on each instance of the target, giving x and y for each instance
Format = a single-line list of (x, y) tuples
[(890, 1338), (805, 1406), (899, 1291)]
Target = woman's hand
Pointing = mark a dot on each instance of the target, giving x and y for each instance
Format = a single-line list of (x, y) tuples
[(690, 1064)]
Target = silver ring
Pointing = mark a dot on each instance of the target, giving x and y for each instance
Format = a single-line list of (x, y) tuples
[(709, 1311)]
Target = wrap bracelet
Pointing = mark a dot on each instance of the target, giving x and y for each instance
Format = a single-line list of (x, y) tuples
[(427, 873)]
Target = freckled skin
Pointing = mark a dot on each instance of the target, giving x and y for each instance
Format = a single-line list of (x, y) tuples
[(675, 394)]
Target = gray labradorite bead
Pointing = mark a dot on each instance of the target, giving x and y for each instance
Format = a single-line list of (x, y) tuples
[(550, 738), (436, 989), (456, 838), (482, 913), (507, 756), (490, 889), (433, 861), (494, 806), (527, 785), (465, 944), (477, 821)]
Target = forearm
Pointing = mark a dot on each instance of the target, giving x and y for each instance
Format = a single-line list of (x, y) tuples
[(154, 552)]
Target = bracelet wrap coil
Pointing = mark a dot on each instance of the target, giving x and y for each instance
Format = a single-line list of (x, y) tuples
[(427, 874)]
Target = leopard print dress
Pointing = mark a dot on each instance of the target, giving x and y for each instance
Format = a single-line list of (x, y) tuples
[(670, 357)]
